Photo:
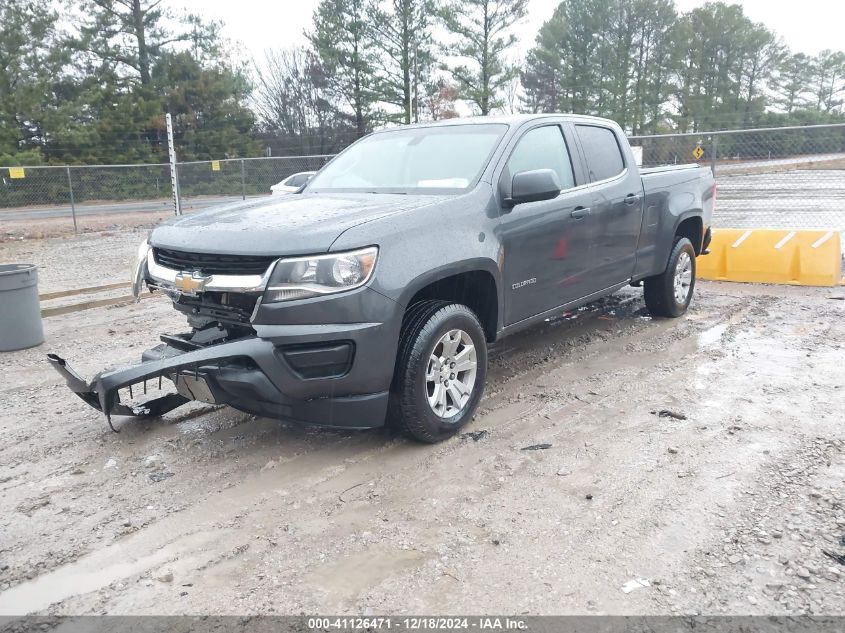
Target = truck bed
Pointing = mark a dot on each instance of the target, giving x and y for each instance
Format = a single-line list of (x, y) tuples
[(665, 168), (661, 178)]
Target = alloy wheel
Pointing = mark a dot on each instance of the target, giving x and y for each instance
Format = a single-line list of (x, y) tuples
[(683, 278), (450, 374)]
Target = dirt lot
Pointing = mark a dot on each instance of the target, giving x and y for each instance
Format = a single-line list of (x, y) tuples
[(73, 262), (29, 229), (44, 221), (722, 505)]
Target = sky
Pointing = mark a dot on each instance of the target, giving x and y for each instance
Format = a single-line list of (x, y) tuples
[(808, 26)]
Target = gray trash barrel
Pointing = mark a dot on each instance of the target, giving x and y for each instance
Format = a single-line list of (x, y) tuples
[(20, 312)]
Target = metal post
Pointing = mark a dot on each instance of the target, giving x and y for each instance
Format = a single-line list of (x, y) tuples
[(243, 181), (714, 152), (174, 177), (72, 202)]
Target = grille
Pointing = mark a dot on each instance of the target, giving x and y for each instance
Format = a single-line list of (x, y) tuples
[(212, 264)]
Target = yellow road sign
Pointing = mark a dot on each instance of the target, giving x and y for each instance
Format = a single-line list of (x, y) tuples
[(16, 172), (215, 165), (697, 153)]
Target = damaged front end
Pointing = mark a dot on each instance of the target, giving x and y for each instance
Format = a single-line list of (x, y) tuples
[(179, 359), (315, 362), (107, 400), (219, 308)]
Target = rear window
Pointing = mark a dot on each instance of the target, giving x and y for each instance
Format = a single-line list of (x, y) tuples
[(601, 149)]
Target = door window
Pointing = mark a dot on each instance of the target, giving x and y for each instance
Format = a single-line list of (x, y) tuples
[(543, 148), (601, 149)]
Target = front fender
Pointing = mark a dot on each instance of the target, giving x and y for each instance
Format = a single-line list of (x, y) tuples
[(449, 270)]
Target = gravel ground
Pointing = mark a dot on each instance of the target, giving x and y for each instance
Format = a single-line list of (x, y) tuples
[(74, 262), (16, 230), (723, 503)]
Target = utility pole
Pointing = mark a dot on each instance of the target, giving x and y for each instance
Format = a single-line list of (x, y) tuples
[(174, 177), (714, 153), (72, 202), (243, 181)]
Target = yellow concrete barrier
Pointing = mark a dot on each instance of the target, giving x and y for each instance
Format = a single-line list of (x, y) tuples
[(774, 256)]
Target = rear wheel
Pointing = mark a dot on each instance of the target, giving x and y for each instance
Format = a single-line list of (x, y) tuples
[(669, 294), (440, 370)]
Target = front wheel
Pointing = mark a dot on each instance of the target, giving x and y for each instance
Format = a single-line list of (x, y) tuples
[(440, 370), (669, 293)]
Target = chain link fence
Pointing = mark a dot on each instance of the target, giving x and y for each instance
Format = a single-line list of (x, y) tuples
[(67, 198), (203, 183), (790, 177), (41, 200)]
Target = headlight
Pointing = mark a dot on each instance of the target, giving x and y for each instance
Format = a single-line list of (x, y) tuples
[(139, 269), (303, 277)]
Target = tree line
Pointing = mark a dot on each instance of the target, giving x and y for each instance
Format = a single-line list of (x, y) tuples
[(90, 81), (652, 69), (375, 62)]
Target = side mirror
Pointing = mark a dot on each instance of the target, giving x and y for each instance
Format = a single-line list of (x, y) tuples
[(533, 186)]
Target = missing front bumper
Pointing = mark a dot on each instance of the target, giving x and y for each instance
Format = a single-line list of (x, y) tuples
[(250, 374), (108, 401), (103, 392)]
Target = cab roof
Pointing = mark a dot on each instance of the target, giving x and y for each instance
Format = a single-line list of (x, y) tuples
[(508, 119)]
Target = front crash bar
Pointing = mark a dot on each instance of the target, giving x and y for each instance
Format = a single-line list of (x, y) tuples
[(102, 392)]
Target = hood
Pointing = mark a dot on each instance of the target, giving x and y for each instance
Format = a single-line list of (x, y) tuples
[(294, 224)]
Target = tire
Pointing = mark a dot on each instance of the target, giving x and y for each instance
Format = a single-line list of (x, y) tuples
[(660, 291), (424, 328)]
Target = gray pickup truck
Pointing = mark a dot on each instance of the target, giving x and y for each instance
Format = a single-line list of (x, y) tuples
[(371, 295)]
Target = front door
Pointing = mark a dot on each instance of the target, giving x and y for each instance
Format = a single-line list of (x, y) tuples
[(547, 243)]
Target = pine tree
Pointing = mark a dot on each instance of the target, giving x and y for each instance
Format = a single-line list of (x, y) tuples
[(792, 75), (210, 119), (34, 64), (482, 38), (130, 35), (607, 58), (343, 40), (404, 40), (828, 80)]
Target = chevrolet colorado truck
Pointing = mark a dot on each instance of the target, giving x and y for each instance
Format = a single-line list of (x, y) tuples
[(370, 295)]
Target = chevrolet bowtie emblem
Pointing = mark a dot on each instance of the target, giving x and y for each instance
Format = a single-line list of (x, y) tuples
[(191, 283)]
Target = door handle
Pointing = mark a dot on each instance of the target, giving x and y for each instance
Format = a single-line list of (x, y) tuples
[(580, 212), (631, 198)]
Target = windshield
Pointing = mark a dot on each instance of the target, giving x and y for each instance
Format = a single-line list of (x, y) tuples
[(412, 160)]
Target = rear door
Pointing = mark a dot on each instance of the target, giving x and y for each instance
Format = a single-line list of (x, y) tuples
[(546, 243), (617, 209)]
